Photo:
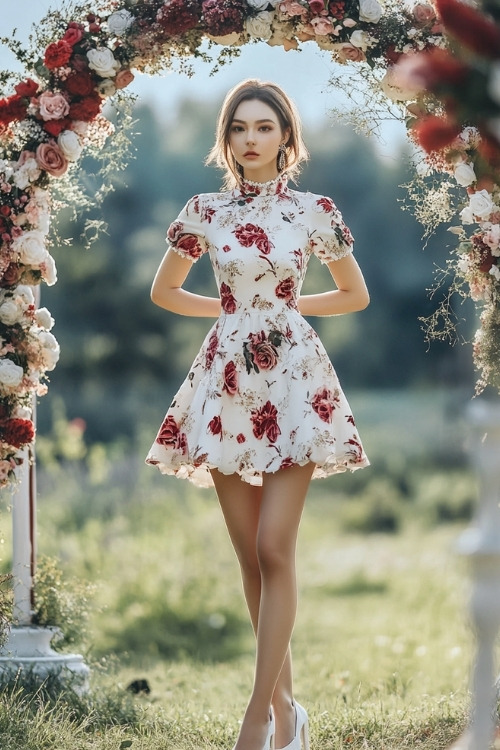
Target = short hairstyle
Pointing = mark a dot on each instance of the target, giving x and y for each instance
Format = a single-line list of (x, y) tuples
[(288, 117)]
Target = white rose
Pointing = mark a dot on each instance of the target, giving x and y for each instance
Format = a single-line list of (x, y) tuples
[(25, 294), (370, 11), (259, 4), (10, 312), (360, 39), (50, 350), (44, 319), (464, 174), (49, 271), (481, 204), (494, 83), (70, 145), (31, 248), (29, 172), (466, 215), (495, 272), (103, 62), (260, 26), (10, 373), (119, 22)]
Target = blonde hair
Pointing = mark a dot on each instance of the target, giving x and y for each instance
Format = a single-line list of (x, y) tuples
[(288, 117)]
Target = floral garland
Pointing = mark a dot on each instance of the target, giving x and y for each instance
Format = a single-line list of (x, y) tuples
[(82, 60)]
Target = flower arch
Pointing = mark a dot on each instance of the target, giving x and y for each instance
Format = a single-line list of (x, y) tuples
[(419, 57)]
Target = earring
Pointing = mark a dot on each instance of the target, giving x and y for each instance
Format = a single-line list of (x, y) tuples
[(281, 157)]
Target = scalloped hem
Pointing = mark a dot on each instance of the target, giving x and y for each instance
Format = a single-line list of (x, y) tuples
[(200, 476)]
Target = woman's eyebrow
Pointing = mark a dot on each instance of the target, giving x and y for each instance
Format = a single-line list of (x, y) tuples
[(267, 119)]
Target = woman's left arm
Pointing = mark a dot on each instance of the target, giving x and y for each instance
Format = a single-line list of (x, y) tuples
[(351, 293)]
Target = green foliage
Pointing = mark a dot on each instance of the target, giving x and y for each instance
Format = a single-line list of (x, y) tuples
[(61, 603), (5, 606)]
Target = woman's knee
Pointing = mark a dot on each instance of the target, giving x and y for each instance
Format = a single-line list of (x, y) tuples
[(273, 557)]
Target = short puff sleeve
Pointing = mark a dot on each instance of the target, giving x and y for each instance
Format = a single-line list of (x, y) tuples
[(185, 235), (330, 238)]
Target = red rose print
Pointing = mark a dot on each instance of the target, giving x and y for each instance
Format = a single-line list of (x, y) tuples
[(57, 54), (264, 354), (174, 231), (264, 421), (215, 426), (356, 451), (286, 463), (228, 302), (230, 378), (213, 343), (240, 438), (208, 214), (190, 244), (168, 433), (350, 419), (286, 290), (326, 204), (87, 109), (250, 234), (324, 402), (226, 248)]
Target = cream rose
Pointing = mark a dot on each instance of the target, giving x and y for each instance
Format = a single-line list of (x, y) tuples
[(50, 349), (360, 39), (27, 173), (25, 294), (370, 11), (106, 88), (119, 22), (346, 51), (31, 248), (481, 204), (11, 374), (70, 145), (259, 27), (103, 62), (392, 88), (322, 26), (464, 174), (53, 106), (10, 312), (44, 319)]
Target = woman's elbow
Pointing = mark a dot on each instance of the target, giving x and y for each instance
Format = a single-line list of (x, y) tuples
[(362, 300)]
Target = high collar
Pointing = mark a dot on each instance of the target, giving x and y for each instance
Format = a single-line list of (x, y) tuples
[(278, 186)]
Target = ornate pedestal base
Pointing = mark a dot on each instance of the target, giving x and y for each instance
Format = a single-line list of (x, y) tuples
[(28, 651)]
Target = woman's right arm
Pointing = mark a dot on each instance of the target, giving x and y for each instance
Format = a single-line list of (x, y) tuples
[(167, 291)]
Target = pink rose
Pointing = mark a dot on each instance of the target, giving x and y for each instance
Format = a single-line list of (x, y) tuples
[(423, 14), (53, 106), (123, 78), (73, 34), (264, 354), (322, 26), (50, 158), (292, 8)]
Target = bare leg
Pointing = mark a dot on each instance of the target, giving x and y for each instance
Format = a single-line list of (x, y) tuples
[(263, 524)]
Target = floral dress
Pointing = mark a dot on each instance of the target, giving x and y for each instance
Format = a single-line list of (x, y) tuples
[(262, 394)]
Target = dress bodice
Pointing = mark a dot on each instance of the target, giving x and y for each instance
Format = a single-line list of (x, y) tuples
[(260, 237)]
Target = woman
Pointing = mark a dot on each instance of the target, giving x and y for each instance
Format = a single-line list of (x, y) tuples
[(261, 411)]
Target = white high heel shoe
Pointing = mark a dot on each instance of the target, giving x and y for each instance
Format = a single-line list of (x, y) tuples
[(301, 737), (269, 743)]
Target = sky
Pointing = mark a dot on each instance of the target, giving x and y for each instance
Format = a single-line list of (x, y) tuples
[(303, 74)]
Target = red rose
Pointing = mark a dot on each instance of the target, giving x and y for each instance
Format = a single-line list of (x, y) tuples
[(316, 6), (230, 378), (17, 432), (434, 133), (470, 27), (80, 63), (13, 108), (190, 244), (27, 88), (286, 289), (264, 244), (54, 127), (215, 426), (323, 403), (11, 275), (240, 438), (264, 421), (228, 301), (178, 16), (87, 109), (5, 210), (80, 83), (213, 343), (57, 54), (73, 34)]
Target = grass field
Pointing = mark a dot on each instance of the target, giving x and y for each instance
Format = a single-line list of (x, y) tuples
[(382, 648)]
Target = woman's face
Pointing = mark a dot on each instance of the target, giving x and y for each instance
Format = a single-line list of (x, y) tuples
[(254, 138)]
